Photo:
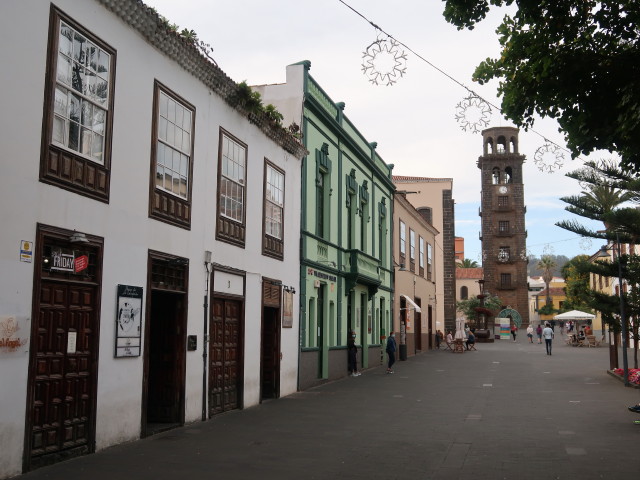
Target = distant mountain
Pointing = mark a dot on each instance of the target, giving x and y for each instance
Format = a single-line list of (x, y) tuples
[(533, 271)]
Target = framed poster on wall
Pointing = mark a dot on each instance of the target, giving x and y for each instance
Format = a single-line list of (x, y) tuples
[(128, 321)]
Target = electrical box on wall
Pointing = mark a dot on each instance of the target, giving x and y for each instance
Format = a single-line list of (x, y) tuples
[(192, 343)]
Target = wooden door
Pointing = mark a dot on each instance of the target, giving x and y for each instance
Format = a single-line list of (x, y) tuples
[(224, 356), (270, 362), (418, 329), (166, 358), (63, 381)]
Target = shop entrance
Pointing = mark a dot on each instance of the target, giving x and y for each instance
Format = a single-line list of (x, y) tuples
[(165, 338), (165, 349), (61, 398), (225, 356), (270, 362)]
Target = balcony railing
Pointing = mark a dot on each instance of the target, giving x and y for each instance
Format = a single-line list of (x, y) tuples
[(363, 269)]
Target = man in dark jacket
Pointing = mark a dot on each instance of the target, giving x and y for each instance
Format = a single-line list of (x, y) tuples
[(391, 351), (352, 355)]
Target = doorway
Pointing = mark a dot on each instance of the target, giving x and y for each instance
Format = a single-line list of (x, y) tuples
[(418, 327), (225, 356), (163, 389), (165, 350), (61, 395), (270, 362)]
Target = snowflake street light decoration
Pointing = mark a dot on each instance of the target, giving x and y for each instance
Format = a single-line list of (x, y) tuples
[(503, 256), (383, 62), (473, 113), (586, 244), (548, 158), (525, 254), (548, 249)]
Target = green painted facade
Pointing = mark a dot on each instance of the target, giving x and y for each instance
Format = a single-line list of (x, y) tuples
[(346, 256)]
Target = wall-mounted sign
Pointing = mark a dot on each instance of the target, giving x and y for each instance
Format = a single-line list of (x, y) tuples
[(10, 341), (70, 262), (128, 321), (287, 318), (322, 275), (26, 251)]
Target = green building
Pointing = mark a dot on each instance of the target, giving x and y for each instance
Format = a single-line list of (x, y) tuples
[(346, 261)]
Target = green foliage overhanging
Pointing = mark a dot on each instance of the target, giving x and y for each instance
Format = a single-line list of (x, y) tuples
[(577, 61)]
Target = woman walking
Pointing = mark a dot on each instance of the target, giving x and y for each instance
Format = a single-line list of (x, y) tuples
[(530, 333), (514, 330)]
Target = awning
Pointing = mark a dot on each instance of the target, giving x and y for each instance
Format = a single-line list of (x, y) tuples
[(413, 304), (575, 315)]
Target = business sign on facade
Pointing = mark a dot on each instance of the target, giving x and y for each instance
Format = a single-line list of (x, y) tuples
[(128, 321), (26, 251), (70, 262)]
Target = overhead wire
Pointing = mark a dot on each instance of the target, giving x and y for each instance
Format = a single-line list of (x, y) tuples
[(450, 77)]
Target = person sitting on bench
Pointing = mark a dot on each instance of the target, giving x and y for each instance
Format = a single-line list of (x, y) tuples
[(471, 340)]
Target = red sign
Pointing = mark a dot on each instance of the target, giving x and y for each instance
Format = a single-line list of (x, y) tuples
[(81, 263)]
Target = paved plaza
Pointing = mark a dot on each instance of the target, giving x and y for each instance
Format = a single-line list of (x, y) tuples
[(505, 411)]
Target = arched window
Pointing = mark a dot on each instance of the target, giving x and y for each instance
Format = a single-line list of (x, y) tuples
[(513, 145), (508, 175), (495, 176), (501, 145), (464, 293), (488, 146)]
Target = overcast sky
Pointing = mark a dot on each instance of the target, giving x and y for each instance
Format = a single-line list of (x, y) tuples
[(412, 121)]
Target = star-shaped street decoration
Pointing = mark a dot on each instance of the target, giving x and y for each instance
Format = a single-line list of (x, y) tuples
[(383, 62)]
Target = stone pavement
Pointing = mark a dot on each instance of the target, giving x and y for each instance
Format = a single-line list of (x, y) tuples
[(507, 411)]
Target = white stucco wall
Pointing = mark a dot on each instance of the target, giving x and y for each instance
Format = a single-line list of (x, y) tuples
[(124, 223)]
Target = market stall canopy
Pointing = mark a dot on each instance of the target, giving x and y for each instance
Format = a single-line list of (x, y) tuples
[(574, 315), (413, 305)]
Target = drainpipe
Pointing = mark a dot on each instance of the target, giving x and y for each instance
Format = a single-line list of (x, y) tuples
[(205, 335)]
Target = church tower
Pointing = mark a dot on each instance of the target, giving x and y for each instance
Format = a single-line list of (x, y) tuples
[(504, 247)]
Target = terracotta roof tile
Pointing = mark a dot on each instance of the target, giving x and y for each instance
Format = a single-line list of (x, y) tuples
[(469, 273)]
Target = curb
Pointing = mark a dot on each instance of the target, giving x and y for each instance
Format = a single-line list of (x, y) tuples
[(631, 385)]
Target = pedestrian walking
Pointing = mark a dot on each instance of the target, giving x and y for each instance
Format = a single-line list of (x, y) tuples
[(530, 333), (352, 355), (514, 330), (439, 336), (391, 351), (547, 333), (539, 333)]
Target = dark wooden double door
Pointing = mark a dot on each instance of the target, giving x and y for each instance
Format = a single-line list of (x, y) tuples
[(225, 356), (63, 374)]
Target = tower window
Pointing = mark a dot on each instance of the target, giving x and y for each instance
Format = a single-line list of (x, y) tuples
[(495, 176)]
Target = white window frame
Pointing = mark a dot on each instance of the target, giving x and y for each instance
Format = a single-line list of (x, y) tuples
[(174, 145), (421, 252), (274, 202), (232, 177), (403, 238), (412, 244), (83, 80)]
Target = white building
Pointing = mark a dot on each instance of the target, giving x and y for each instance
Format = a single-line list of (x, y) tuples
[(126, 159)]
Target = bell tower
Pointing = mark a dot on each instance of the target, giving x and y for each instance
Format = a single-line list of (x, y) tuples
[(504, 247)]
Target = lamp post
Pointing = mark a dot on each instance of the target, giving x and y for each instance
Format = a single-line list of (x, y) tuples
[(623, 320), (481, 315)]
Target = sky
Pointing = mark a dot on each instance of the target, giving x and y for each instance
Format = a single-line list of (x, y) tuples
[(413, 121)]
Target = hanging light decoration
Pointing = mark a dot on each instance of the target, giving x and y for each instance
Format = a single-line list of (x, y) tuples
[(383, 62), (549, 157), (473, 113), (586, 244)]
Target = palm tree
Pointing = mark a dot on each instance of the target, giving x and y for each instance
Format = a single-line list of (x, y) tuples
[(547, 264), (467, 263), (605, 198)]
